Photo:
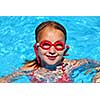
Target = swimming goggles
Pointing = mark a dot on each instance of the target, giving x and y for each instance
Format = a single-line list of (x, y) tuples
[(46, 45)]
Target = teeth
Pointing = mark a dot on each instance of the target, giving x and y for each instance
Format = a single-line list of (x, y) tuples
[(52, 56)]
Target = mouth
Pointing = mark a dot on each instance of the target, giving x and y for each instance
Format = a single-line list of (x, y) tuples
[(51, 57)]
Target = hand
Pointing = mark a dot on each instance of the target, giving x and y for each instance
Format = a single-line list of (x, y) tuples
[(96, 78), (3, 80)]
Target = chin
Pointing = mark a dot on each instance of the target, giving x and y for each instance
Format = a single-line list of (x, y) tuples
[(52, 62)]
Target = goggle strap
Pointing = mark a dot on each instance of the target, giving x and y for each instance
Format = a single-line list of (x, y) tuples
[(36, 53), (67, 48)]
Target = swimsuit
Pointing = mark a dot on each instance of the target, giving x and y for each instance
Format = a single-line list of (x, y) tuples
[(42, 75)]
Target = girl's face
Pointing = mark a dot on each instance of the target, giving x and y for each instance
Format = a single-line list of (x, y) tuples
[(50, 56)]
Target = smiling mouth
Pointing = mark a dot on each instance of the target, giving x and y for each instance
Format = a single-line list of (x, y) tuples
[(51, 57)]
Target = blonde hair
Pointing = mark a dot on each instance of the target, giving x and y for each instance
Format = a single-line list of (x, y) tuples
[(53, 24)]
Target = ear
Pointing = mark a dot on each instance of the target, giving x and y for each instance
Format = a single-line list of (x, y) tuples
[(36, 53)]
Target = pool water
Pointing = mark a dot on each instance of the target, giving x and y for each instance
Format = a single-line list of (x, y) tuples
[(17, 39)]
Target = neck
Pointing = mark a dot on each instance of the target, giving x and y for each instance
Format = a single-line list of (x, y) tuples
[(50, 67)]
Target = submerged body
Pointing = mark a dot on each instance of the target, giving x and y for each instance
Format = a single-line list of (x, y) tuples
[(62, 74), (87, 72)]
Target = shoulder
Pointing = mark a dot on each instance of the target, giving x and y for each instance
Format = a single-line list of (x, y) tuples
[(29, 65), (76, 61), (71, 64), (80, 62)]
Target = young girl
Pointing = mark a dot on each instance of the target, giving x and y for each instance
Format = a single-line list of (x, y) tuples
[(50, 66)]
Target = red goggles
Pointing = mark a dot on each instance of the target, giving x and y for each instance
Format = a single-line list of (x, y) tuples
[(46, 45), (59, 45)]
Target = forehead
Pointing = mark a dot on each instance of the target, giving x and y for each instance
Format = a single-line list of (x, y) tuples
[(51, 34)]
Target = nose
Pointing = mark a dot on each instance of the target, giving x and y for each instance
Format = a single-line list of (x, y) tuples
[(52, 50)]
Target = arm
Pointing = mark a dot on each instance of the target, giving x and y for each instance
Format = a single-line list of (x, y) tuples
[(88, 63), (24, 70), (10, 77)]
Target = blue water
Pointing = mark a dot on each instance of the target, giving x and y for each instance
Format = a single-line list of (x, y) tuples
[(17, 38)]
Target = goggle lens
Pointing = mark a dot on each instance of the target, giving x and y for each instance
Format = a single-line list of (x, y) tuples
[(59, 45), (45, 45)]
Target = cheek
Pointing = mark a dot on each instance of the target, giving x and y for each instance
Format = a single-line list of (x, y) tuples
[(61, 52), (60, 55), (41, 52)]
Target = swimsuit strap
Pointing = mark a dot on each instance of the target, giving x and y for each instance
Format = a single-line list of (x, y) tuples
[(64, 78)]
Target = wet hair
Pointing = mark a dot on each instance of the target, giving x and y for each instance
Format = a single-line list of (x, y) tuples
[(54, 24)]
